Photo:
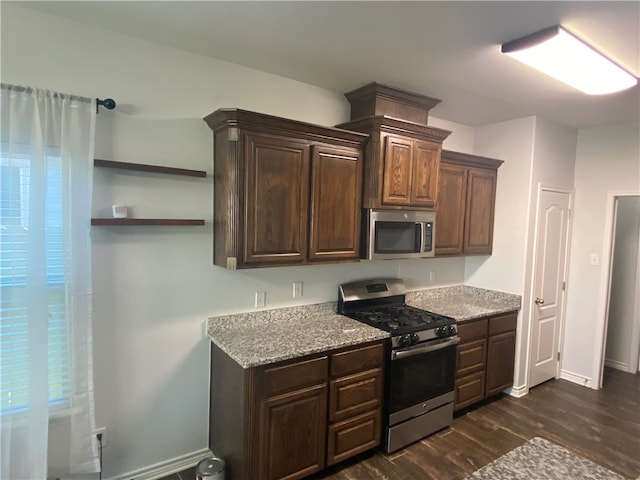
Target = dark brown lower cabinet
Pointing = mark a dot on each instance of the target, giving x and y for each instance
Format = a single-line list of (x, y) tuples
[(501, 351), (291, 419), (292, 433), (485, 358), (355, 402)]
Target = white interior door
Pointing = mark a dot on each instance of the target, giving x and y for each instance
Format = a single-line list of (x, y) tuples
[(550, 255)]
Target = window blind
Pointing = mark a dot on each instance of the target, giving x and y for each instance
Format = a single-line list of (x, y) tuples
[(16, 285)]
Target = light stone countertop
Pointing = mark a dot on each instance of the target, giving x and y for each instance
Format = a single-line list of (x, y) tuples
[(269, 336), (463, 302)]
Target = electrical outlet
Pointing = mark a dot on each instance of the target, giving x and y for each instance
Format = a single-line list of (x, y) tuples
[(297, 289), (102, 431), (261, 299), (432, 276)]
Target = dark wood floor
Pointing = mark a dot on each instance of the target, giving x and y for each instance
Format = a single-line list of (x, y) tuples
[(601, 425)]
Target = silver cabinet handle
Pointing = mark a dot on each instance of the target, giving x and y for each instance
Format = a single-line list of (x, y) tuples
[(539, 301)]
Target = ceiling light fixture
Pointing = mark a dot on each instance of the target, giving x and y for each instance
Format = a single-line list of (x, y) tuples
[(559, 54)]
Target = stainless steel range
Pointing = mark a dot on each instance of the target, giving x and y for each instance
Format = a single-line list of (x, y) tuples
[(420, 371)]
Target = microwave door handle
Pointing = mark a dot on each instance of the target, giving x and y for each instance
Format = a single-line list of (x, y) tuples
[(429, 347), (422, 241)]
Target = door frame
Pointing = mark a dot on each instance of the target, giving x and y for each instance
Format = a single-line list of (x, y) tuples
[(565, 271), (602, 318)]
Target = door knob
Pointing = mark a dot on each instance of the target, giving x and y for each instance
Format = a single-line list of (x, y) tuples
[(539, 301)]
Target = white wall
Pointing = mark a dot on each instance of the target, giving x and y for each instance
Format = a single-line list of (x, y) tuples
[(535, 152), (624, 289), (513, 142), (607, 163), (461, 138), (154, 287), (553, 166)]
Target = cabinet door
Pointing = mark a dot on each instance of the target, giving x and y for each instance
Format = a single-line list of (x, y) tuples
[(501, 352), (480, 207), (336, 199), (293, 434), (276, 193), (424, 180), (396, 179), (451, 206)]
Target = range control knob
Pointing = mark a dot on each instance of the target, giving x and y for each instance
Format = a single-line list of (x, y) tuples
[(446, 331), (415, 338), (405, 340)]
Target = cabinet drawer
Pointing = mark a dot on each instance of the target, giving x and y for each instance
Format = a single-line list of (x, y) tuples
[(349, 396), (357, 360), (503, 323), (469, 390), (472, 330), (353, 436), (471, 356), (293, 376)]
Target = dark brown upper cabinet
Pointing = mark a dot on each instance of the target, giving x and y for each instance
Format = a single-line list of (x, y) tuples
[(285, 192), (401, 163), (402, 156), (466, 204)]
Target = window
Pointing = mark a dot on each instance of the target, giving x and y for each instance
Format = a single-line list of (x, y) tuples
[(17, 253), (46, 171)]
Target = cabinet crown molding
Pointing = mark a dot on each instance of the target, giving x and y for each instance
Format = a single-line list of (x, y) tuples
[(386, 124), (377, 99), (261, 122), (470, 160)]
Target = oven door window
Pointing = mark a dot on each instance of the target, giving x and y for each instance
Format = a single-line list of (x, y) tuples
[(397, 237), (416, 379)]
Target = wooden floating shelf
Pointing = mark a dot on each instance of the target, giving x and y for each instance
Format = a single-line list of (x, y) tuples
[(146, 221), (141, 167)]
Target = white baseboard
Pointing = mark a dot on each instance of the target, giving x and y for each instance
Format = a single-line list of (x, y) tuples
[(166, 468), (617, 365), (576, 378), (518, 392)]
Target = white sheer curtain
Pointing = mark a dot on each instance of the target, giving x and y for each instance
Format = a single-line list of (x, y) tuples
[(46, 365)]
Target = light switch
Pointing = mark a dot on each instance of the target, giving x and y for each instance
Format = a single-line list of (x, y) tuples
[(594, 259)]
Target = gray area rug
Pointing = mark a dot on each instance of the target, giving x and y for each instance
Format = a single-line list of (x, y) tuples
[(540, 459)]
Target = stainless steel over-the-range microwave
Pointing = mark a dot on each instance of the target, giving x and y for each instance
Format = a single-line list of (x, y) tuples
[(393, 234)]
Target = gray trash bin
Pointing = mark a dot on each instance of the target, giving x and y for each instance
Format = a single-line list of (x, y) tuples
[(211, 468)]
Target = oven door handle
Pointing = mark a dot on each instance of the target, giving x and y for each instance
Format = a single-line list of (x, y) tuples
[(429, 347)]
